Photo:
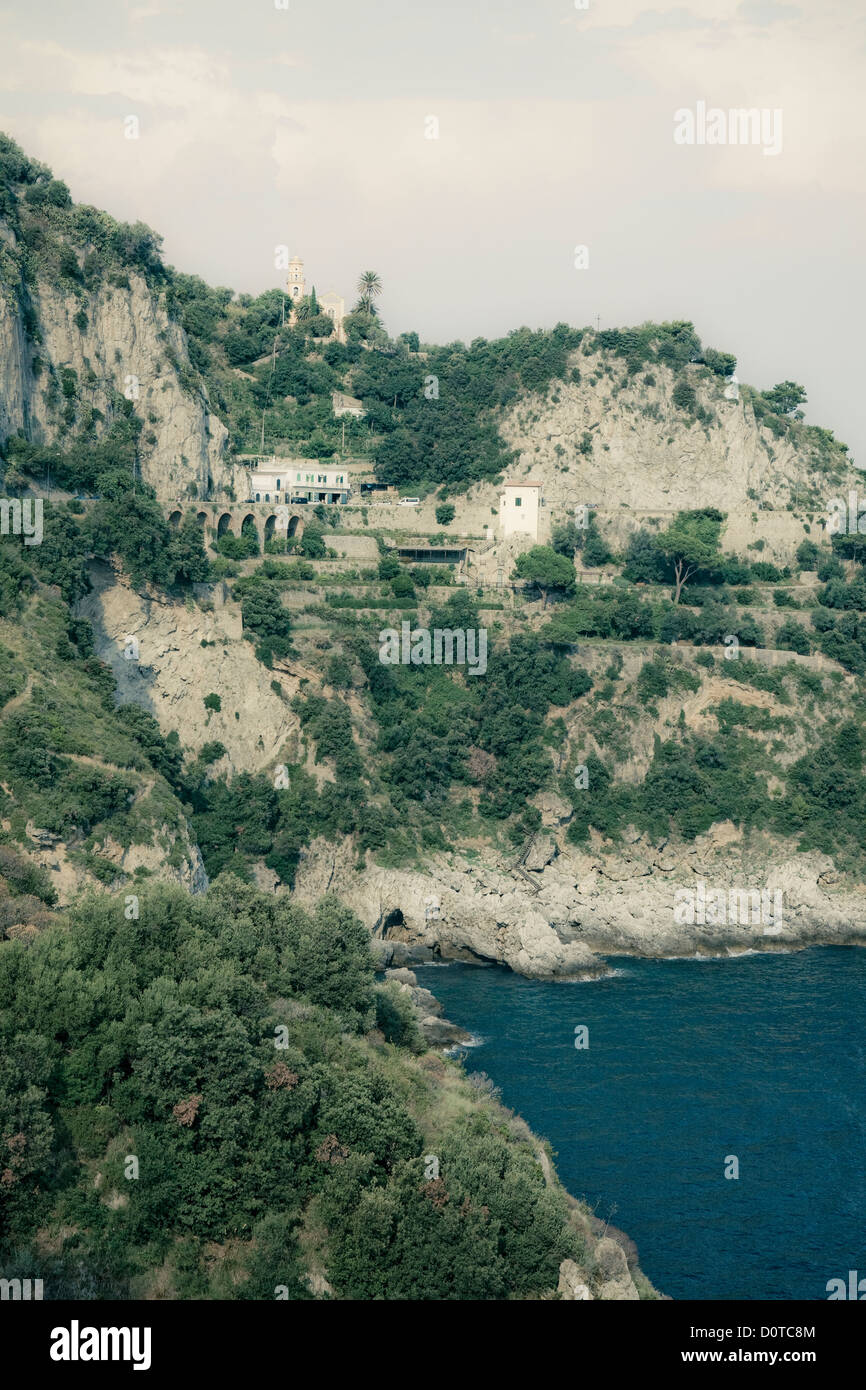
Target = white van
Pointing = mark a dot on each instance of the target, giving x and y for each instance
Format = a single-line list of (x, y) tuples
[(410, 501)]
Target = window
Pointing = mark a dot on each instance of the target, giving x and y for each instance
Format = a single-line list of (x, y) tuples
[(267, 497), (258, 497), (278, 484), (518, 501)]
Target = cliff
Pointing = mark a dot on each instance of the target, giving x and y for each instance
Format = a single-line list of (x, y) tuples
[(68, 361)]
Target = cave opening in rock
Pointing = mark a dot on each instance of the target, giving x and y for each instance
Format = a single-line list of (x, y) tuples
[(393, 919)]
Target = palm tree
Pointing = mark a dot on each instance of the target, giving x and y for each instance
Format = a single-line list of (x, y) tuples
[(369, 288)]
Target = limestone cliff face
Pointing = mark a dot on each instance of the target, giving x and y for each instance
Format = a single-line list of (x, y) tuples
[(621, 444), (186, 652), (571, 907), (127, 346), (647, 458)]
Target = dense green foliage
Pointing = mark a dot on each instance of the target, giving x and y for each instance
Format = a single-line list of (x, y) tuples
[(208, 1056), (433, 735)]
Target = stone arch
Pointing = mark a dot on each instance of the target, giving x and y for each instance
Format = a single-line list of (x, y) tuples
[(270, 526), (201, 518), (224, 524), (174, 520), (296, 526)]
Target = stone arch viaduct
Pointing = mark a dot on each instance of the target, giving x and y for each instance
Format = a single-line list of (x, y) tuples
[(267, 520)]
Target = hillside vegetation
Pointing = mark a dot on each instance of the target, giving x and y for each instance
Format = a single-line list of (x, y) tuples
[(139, 1020), (211, 1098)]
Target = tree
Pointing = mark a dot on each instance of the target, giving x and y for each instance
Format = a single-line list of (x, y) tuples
[(369, 289), (785, 397), (808, 555), (186, 552), (595, 548), (389, 567), (566, 538), (644, 562), (691, 543), (362, 325), (546, 570), (445, 513), (134, 527), (684, 397), (265, 617), (722, 363)]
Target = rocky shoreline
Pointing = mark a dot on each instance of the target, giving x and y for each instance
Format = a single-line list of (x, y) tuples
[(564, 909)]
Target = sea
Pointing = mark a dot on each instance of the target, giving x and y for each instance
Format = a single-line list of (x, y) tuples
[(714, 1109)]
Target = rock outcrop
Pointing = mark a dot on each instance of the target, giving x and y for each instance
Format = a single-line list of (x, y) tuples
[(591, 904), (124, 344), (185, 652), (645, 459)]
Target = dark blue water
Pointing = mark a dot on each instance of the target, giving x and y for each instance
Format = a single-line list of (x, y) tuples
[(760, 1057)]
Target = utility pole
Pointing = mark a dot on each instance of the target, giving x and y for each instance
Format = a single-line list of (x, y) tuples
[(262, 448), (597, 322)]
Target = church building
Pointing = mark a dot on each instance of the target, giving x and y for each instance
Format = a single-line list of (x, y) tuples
[(330, 303)]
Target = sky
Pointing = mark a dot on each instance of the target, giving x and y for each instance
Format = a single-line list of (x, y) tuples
[(466, 150)]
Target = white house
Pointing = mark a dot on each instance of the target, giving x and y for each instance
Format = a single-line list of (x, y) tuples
[(519, 506), (347, 405), (299, 480)]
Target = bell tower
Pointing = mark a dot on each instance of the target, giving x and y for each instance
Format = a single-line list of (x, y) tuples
[(295, 282)]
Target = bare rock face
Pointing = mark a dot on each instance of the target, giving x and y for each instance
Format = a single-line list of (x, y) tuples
[(69, 877), (614, 1282), (318, 1284), (554, 811), (645, 458), (129, 346), (555, 919), (466, 913), (543, 850), (439, 1032), (185, 653), (402, 976), (588, 903), (572, 1284)]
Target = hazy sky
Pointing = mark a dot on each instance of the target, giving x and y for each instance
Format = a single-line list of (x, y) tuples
[(308, 125)]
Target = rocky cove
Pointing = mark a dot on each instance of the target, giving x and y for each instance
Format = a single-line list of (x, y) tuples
[(558, 913)]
